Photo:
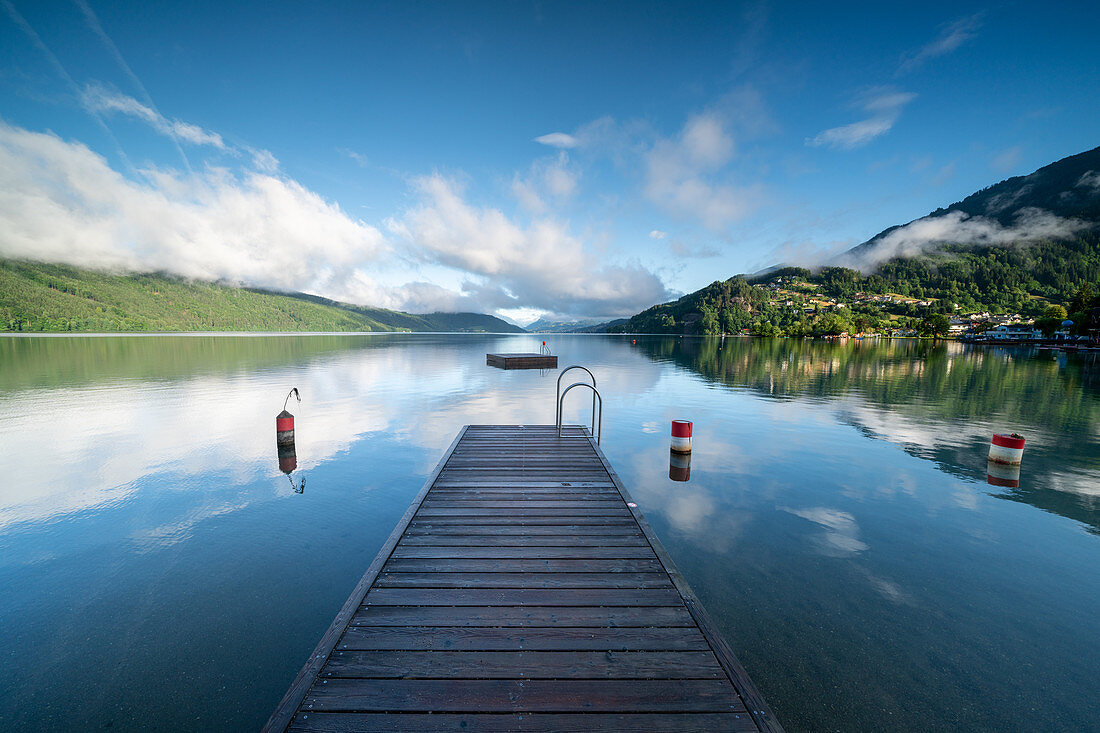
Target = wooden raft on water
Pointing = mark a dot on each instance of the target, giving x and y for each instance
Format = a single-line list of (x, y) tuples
[(522, 591), (522, 361)]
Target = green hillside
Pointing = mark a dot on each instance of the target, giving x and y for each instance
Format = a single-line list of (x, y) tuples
[(900, 294), (58, 298), (1045, 278)]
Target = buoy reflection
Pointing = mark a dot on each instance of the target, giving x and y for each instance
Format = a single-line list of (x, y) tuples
[(288, 461), (679, 466), (1003, 474)]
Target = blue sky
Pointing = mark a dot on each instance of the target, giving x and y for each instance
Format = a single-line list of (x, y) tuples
[(516, 158)]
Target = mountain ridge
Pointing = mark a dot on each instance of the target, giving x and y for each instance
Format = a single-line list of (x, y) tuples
[(43, 297)]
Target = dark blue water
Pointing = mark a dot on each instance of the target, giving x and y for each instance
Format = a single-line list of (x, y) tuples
[(159, 571)]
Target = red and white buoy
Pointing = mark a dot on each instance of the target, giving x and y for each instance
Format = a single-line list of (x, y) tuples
[(284, 421), (1007, 449), (681, 436)]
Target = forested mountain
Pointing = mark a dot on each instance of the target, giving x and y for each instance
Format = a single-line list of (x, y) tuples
[(1067, 190), (550, 325), (58, 298), (1028, 245)]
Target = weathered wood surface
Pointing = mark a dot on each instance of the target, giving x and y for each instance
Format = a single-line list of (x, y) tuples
[(522, 592), (522, 361)]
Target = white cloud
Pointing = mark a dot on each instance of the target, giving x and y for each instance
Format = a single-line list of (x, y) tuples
[(99, 99), (885, 108), (950, 38), (683, 250), (548, 182), (682, 175), (541, 265), (705, 142), (657, 234), (557, 140), (957, 227), (841, 535), (264, 160), (61, 202), (601, 133), (359, 158), (1089, 179)]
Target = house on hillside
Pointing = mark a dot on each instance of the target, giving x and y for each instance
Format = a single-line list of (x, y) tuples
[(1013, 332)]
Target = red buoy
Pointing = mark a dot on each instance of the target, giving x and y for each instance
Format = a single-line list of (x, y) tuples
[(284, 421), (1007, 448), (681, 436)]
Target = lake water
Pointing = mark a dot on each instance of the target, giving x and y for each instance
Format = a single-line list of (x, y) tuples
[(159, 571)]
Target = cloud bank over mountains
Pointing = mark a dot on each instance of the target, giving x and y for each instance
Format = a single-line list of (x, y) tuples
[(62, 202), (957, 227)]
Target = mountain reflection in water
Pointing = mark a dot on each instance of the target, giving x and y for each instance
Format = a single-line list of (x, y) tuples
[(941, 401)]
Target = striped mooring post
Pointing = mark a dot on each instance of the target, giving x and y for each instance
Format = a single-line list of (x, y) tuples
[(1007, 448), (681, 436)]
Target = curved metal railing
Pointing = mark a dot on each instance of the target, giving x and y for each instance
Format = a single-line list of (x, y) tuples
[(597, 422), (557, 396)]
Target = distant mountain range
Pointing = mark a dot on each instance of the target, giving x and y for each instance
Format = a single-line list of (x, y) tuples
[(549, 325), (57, 298), (1019, 246)]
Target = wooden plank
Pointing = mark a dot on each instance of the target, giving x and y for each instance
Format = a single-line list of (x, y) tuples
[(524, 490), (734, 722), (530, 532), (406, 550), (545, 616), (524, 521), (530, 665), (480, 505), (625, 530), (494, 540), (522, 511), (298, 688), (522, 580), (478, 638), (444, 481), (524, 565), (521, 597), (356, 695)]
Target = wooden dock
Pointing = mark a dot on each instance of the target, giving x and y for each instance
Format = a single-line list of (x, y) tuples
[(522, 591), (522, 361)]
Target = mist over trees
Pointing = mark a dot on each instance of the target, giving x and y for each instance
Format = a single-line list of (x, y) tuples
[(915, 293)]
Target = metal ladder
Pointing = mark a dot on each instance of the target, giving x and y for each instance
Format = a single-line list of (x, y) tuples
[(597, 417)]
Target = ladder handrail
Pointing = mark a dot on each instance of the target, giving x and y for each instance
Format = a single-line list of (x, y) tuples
[(558, 394), (595, 394)]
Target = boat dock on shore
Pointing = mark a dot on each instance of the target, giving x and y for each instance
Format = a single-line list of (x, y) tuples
[(522, 590)]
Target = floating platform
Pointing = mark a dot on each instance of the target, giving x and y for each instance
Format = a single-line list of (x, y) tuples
[(522, 591), (522, 361)]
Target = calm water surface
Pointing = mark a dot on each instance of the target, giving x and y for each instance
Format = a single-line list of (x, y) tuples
[(159, 571)]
